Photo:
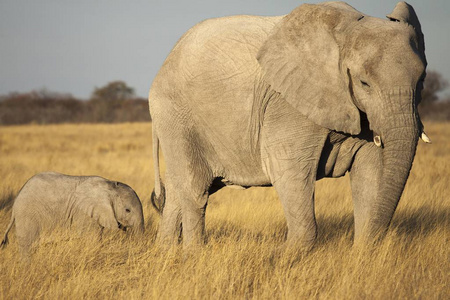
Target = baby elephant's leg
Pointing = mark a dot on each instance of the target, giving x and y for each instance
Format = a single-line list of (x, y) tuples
[(27, 231)]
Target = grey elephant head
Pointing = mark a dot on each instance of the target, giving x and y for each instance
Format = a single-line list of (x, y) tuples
[(127, 208), (111, 204), (340, 67)]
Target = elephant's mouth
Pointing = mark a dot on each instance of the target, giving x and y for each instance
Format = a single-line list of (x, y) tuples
[(121, 227)]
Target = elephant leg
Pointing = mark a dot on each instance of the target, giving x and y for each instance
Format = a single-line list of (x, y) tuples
[(293, 171), (291, 149), (365, 178), (170, 226), (27, 231), (193, 208), (296, 192), (192, 191), (189, 178)]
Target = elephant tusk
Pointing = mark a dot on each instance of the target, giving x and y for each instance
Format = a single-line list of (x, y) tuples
[(377, 140), (425, 138)]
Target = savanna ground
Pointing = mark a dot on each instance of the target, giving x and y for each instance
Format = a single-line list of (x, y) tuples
[(244, 256)]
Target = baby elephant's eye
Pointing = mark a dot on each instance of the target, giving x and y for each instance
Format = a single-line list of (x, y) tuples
[(127, 210)]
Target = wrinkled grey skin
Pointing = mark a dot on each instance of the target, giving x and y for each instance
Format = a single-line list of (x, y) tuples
[(50, 199), (257, 101)]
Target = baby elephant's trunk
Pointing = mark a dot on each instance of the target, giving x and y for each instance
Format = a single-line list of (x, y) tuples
[(138, 230)]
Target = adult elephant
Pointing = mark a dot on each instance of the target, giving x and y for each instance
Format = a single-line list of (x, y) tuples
[(284, 101)]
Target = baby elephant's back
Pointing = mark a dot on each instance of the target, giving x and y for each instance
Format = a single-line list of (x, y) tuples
[(45, 197)]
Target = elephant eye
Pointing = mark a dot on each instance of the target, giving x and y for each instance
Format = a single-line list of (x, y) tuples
[(127, 210), (365, 84)]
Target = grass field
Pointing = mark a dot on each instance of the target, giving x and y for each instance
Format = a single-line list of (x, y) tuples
[(244, 256)]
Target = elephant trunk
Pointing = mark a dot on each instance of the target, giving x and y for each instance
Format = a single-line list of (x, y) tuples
[(139, 227), (136, 225), (136, 230), (400, 134)]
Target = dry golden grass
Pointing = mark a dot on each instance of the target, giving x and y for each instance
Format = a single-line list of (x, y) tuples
[(244, 257)]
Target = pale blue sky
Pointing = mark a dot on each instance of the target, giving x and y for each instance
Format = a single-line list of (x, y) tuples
[(73, 46)]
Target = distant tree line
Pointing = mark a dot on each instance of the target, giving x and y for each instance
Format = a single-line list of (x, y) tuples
[(116, 102), (432, 107), (113, 103)]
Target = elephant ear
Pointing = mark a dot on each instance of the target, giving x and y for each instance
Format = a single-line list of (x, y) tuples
[(104, 215), (403, 12), (301, 60), (99, 210)]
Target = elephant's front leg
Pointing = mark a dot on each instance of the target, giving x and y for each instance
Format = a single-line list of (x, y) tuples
[(292, 165), (295, 187), (291, 149)]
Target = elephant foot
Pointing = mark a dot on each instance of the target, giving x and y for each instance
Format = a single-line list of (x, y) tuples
[(300, 246), (301, 242)]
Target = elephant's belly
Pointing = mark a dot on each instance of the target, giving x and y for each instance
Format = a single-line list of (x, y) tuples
[(240, 182), (240, 172), (224, 141), (220, 182)]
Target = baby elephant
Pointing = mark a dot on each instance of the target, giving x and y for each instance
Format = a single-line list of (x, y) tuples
[(49, 199)]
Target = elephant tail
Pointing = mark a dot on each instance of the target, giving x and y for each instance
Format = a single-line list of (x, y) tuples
[(4, 242), (158, 197)]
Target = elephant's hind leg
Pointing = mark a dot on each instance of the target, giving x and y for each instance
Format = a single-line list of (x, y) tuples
[(189, 178), (27, 232), (193, 196), (194, 208), (184, 212), (170, 226)]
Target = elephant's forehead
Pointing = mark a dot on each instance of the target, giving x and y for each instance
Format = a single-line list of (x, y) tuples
[(127, 194), (379, 34), (381, 47)]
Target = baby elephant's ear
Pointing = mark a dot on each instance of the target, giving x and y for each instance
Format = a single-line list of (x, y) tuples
[(104, 215), (301, 60), (101, 211)]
